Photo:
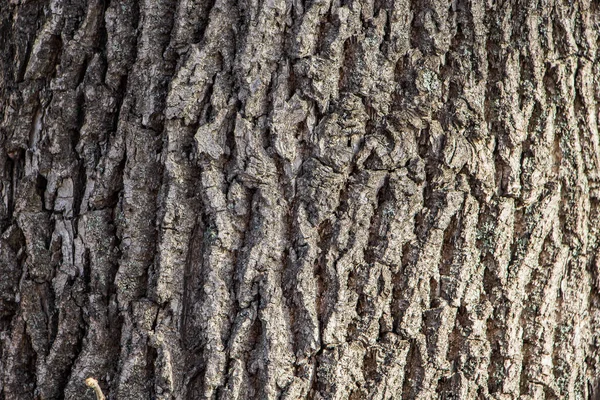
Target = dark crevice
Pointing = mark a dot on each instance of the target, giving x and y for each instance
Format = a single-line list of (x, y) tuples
[(380, 223), (413, 372), (325, 231)]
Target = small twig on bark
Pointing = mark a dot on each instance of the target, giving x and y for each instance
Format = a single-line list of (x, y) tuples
[(91, 382)]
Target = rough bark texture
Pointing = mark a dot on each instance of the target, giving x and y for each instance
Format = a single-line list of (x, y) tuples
[(349, 199)]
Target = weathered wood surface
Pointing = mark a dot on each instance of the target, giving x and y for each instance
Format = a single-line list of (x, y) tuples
[(355, 199)]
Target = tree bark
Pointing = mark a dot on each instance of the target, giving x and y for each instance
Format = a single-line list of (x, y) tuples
[(302, 199)]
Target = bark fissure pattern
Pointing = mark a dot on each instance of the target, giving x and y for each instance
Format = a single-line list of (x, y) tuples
[(287, 199)]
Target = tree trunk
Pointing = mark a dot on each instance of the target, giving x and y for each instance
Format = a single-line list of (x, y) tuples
[(350, 199)]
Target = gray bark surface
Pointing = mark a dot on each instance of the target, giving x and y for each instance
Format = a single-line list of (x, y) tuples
[(301, 199)]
